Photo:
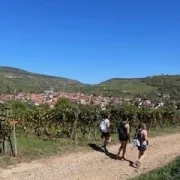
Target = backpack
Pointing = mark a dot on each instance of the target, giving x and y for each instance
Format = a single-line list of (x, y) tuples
[(137, 139), (102, 126), (122, 130)]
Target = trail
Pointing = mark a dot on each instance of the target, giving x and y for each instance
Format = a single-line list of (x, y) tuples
[(95, 165)]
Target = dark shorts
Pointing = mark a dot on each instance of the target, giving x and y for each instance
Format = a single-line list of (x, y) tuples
[(142, 148), (105, 135), (123, 139)]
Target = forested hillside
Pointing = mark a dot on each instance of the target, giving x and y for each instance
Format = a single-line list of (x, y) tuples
[(13, 79)]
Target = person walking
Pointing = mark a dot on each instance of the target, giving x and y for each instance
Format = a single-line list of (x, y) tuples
[(142, 137), (105, 131), (124, 137)]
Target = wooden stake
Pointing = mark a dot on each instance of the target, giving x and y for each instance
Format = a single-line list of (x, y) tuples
[(4, 142), (13, 123), (14, 139)]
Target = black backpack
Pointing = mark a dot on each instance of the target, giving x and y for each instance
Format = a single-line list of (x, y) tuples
[(122, 130), (138, 136)]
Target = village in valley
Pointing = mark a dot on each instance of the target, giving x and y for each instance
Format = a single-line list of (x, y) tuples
[(50, 97)]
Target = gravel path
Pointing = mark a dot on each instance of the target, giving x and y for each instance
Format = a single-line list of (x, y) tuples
[(96, 165)]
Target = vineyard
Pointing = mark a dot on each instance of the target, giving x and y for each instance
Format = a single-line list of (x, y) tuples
[(75, 121)]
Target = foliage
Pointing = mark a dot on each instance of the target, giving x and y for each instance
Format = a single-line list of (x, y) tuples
[(70, 120), (165, 84), (5, 118)]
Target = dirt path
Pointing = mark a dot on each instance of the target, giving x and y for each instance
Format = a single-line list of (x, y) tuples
[(96, 165)]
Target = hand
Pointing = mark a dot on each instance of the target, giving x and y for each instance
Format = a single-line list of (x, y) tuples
[(147, 142), (109, 140)]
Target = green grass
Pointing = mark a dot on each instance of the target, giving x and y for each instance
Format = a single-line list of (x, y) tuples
[(169, 172), (163, 132), (30, 148), (35, 147)]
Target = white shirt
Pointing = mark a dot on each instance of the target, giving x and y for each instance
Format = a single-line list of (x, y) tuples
[(107, 123)]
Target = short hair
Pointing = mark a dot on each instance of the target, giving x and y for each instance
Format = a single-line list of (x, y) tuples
[(104, 114), (143, 126), (125, 118)]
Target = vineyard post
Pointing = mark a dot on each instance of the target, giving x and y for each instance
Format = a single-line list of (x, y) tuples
[(74, 130), (14, 137), (75, 126), (4, 145)]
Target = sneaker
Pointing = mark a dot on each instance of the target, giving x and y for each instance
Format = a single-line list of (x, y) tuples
[(104, 148), (138, 164), (118, 157), (106, 151)]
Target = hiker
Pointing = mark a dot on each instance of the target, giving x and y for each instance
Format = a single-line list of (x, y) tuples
[(105, 131), (142, 137), (124, 136)]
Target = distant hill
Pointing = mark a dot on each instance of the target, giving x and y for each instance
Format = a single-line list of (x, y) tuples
[(12, 79), (154, 86), (133, 85)]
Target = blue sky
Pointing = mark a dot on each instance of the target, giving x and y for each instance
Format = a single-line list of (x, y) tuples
[(91, 40)]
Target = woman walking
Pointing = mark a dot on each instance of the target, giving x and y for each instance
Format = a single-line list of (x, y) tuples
[(142, 137), (124, 136), (105, 130)]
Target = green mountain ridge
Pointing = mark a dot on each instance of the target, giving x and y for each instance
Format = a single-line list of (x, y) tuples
[(12, 79)]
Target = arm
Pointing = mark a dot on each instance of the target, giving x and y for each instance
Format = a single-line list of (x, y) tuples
[(145, 136), (128, 131), (108, 125)]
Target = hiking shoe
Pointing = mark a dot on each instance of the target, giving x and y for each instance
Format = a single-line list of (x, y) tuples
[(106, 151), (118, 157), (104, 148), (138, 164)]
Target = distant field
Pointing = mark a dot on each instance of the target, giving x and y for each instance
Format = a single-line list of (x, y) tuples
[(133, 86)]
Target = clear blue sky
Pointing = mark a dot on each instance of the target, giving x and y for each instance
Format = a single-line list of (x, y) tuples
[(91, 40)]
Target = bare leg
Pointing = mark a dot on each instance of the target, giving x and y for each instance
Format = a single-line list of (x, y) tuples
[(139, 156), (106, 140), (120, 149), (124, 149), (142, 155)]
